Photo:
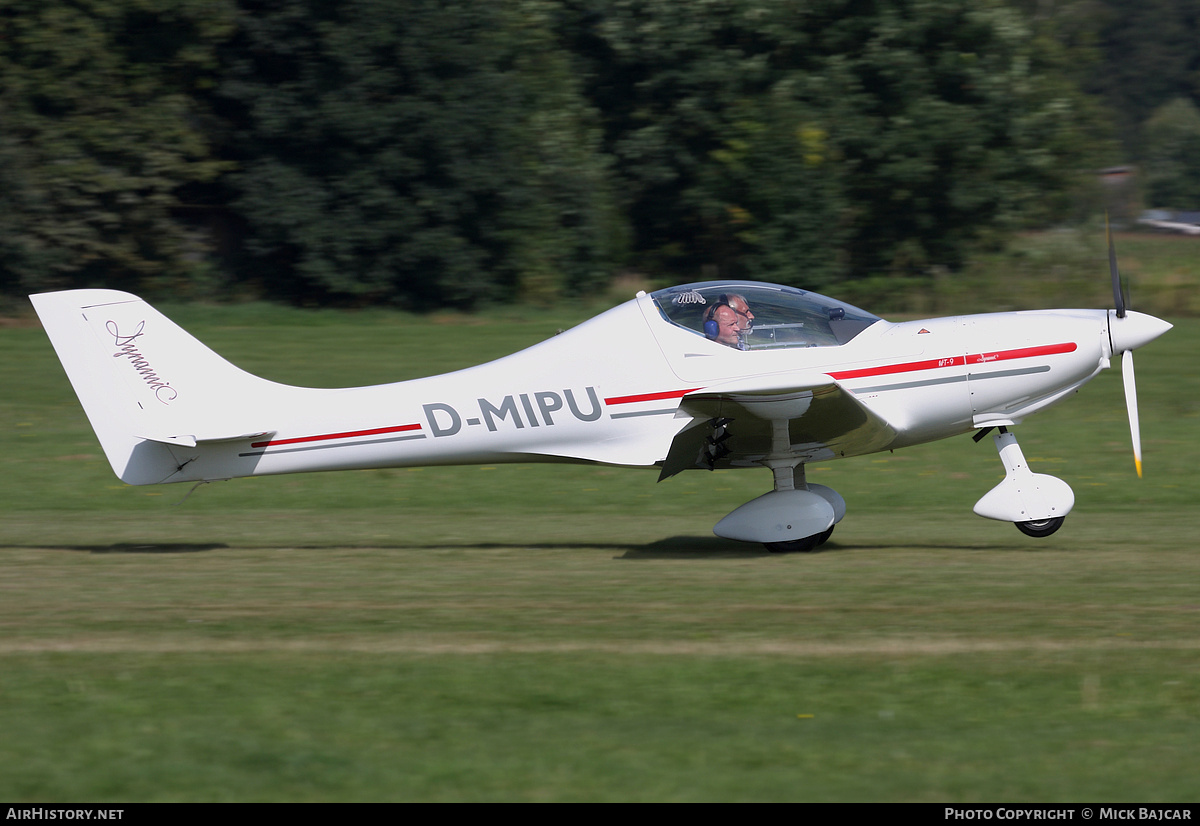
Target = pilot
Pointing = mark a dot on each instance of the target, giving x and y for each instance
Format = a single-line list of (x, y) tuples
[(722, 324)]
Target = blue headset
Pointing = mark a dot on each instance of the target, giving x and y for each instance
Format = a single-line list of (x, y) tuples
[(711, 328)]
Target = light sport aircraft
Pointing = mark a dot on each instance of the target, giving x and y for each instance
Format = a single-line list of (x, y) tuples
[(794, 377)]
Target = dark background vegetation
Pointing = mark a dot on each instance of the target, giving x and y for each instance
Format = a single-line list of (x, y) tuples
[(453, 153)]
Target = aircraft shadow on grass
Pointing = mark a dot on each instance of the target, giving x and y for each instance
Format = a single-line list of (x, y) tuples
[(673, 547), (700, 547), (137, 547)]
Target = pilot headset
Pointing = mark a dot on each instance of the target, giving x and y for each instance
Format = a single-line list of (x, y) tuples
[(711, 328)]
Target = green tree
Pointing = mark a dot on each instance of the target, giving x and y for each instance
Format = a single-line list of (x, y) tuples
[(808, 141), (1150, 56), (1171, 148), (949, 133), (427, 152), (98, 134), (723, 165), (770, 196)]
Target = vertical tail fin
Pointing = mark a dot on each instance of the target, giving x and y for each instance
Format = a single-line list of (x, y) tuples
[(145, 384)]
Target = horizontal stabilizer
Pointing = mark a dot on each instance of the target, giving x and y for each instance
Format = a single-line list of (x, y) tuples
[(193, 441)]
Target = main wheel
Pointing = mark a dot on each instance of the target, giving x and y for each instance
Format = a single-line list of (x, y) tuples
[(803, 545), (1040, 527)]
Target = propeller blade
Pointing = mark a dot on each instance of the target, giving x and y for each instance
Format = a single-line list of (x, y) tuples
[(1132, 406), (1118, 296)]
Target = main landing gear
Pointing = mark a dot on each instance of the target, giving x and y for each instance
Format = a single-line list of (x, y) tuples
[(796, 516), (1034, 502)]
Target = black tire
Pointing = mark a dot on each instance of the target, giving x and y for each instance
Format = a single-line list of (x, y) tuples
[(1040, 527), (822, 538), (804, 545)]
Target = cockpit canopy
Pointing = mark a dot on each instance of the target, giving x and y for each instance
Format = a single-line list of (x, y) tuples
[(777, 316)]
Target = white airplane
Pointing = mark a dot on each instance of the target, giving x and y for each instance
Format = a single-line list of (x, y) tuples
[(712, 375)]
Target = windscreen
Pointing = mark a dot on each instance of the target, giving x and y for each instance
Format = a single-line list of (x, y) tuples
[(752, 316)]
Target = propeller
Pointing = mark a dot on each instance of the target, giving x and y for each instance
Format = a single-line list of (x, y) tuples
[(1127, 374), (1132, 406)]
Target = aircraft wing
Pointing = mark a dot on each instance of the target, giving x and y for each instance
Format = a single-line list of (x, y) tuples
[(824, 421)]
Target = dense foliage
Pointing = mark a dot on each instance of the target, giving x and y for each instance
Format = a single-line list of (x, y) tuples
[(450, 152), (100, 132), (442, 155)]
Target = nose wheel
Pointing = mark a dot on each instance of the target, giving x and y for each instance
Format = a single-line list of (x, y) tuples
[(1040, 527)]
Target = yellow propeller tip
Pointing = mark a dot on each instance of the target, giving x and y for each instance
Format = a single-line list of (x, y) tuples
[(1138, 464)]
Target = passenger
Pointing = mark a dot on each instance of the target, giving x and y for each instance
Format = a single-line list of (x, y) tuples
[(745, 318)]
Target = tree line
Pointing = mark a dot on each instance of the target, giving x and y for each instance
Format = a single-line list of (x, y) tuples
[(431, 153)]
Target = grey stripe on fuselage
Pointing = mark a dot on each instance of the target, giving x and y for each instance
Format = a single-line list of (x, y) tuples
[(999, 374), (641, 413), (272, 451)]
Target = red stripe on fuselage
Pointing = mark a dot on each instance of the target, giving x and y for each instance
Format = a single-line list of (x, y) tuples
[(957, 361), (1023, 353), (650, 397), (347, 435)]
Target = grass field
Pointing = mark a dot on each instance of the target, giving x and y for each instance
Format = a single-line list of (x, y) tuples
[(577, 633)]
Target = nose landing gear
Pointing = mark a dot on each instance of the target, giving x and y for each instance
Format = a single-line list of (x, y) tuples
[(1035, 502)]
